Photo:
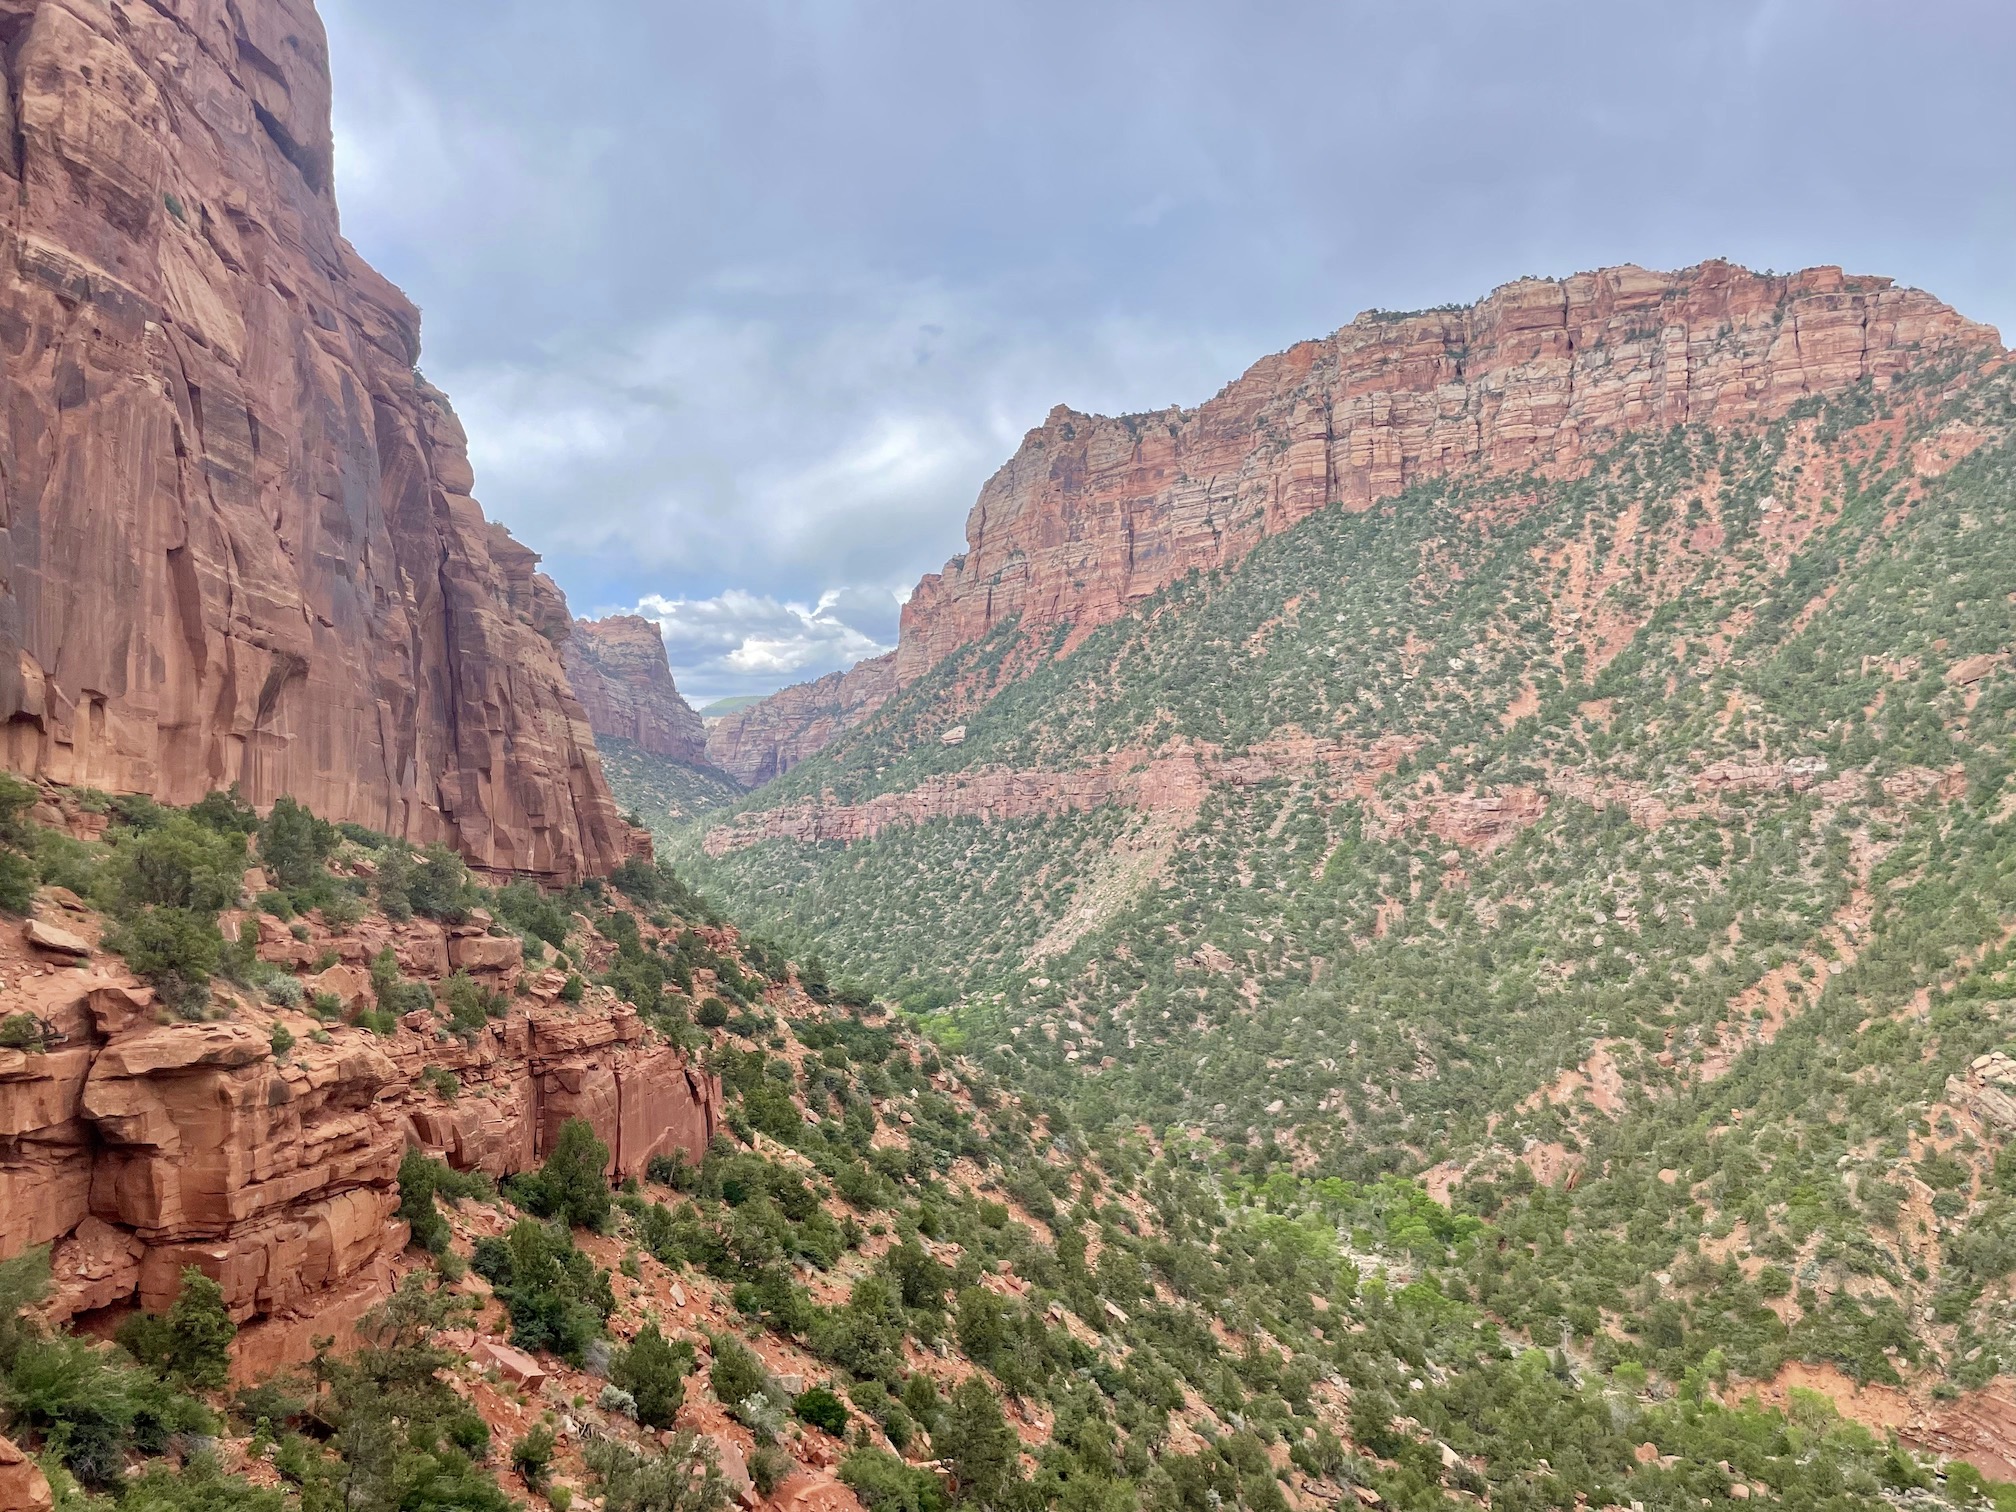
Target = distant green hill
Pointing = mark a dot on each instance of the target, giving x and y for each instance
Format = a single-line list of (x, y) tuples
[(1632, 856), (659, 791)]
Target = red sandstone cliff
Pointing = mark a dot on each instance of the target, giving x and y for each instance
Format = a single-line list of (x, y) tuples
[(237, 542), (767, 739), (1092, 513), (618, 669)]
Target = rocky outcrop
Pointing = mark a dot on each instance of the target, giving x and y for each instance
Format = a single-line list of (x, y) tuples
[(1093, 514), (136, 1147), (765, 740), (236, 527), (618, 669)]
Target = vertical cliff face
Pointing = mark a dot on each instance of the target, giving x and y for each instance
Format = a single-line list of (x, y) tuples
[(618, 669), (236, 526), (1095, 513), (767, 739)]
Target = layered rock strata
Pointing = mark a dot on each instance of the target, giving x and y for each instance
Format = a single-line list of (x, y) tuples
[(237, 537), (619, 671), (1093, 514)]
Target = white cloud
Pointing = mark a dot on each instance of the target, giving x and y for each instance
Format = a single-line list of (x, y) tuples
[(742, 642)]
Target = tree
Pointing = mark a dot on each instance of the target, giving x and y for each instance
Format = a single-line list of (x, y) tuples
[(654, 1372), (293, 844), (685, 1478), (572, 1185), (977, 1444)]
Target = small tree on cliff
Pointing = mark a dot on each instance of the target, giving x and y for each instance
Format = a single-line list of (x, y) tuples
[(572, 1186)]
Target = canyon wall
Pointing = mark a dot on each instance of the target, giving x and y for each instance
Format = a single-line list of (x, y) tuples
[(1093, 514), (618, 669), (765, 740), (237, 537)]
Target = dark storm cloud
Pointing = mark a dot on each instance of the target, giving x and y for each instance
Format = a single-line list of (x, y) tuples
[(741, 302)]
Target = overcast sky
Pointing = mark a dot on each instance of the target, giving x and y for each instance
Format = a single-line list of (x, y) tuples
[(742, 300)]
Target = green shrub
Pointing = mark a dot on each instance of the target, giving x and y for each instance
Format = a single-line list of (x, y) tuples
[(684, 1478), (21, 1031), (175, 864), (397, 997), (654, 1372), (281, 1039), (886, 1484), (572, 1186), (736, 1373), (713, 1014), (822, 1409), (192, 1340), (470, 1006), (294, 844), (556, 1295), (175, 949), (532, 1455), (19, 877)]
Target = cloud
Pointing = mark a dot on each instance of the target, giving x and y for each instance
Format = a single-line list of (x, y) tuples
[(751, 299), (739, 642)]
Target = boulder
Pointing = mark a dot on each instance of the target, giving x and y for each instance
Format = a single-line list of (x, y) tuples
[(55, 940)]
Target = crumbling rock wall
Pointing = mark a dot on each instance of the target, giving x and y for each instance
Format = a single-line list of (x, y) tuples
[(618, 669), (137, 1147)]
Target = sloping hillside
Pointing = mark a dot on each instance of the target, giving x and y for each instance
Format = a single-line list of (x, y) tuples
[(842, 1267), (1535, 836)]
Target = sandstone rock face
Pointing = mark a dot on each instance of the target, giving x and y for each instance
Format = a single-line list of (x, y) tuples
[(618, 670), (767, 739), (1093, 513), (236, 526), (137, 1148)]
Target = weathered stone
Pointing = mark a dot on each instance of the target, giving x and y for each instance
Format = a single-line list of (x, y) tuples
[(54, 940), (485, 953), (514, 1365), (1093, 514), (23, 1487)]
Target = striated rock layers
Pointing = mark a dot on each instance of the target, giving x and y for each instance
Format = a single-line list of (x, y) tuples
[(1093, 514), (617, 668), (237, 542), (136, 1148), (767, 739)]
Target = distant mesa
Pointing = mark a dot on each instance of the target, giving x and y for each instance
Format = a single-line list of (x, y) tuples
[(1094, 514)]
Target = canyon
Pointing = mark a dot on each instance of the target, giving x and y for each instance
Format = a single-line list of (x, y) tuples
[(238, 537), (1093, 513), (764, 740)]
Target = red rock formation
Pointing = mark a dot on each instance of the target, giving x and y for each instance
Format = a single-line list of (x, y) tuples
[(239, 543), (618, 670), (766, 740), (1093, 514), (137, 1148)]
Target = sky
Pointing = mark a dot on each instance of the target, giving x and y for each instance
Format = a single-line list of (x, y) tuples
[(742, 301)]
